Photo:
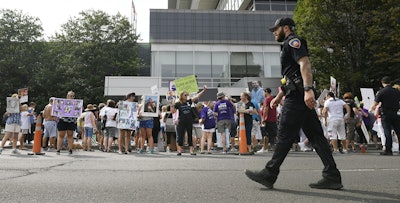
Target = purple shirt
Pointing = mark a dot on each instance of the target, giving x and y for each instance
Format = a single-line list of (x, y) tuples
[(224, 109), (208, 115)]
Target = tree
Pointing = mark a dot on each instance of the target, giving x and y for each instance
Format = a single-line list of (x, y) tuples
[(20, 37), (92, 46), (336, 31)]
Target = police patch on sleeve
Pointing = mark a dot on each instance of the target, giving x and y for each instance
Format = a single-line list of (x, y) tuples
[(295, 43)]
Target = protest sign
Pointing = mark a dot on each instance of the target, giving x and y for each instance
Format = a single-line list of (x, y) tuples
[(12, 105), (127, 115), (333, 86), (368, 97), (23, 95), (188, 83), (150, 105), (67, 107)]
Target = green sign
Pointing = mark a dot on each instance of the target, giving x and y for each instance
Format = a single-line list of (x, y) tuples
[(188, 83)]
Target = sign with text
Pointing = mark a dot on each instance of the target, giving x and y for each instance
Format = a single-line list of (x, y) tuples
[(127, 115), (67, 107), (188, 83), (368, 97)]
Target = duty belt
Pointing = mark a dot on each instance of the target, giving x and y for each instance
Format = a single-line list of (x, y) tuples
[(290, 85)]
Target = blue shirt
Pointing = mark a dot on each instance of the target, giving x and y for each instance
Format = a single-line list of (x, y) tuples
[(14, 118), (257, 95), (257, 107)]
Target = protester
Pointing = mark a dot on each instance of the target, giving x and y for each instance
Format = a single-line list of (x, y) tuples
[(146, 124), (185, 121), (207, 121), (90, 126), (297, 111), (247, 108), (66, 126), (223, 110), (257, 92), (12, 128), (25, 125), (50, 126), (256, 129), (351, 122), (100, 127), (335, 120), (197, 131), (269, 118), (108, 115), (32, 118), (124, 138)]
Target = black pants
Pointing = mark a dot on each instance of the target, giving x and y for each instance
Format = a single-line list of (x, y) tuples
[(390, 120), (184, 126), (296, 115)]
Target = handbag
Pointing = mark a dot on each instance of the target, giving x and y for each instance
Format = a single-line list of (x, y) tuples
[(169, 124)]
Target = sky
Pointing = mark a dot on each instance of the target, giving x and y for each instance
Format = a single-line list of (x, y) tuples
[(54, 13)]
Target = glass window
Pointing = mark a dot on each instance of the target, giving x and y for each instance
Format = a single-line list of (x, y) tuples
[(220, 69), (202, 65), (238, 64), (255, 63), (167, 63), (184, 63), (272, 67)]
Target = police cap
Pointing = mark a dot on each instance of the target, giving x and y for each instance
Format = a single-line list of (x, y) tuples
[(282, 22)]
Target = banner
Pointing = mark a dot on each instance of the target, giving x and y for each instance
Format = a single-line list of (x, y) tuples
[(150, 105), (23, 95), (67, 107), (188, 83), (127, 115), (12, 105)]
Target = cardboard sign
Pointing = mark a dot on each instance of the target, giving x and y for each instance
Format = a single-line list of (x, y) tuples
[(67, 107), (150, 105), (23, 95), (188, 84), (368, 97)]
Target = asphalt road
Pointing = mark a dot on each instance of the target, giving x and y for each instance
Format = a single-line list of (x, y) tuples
[(165, 177)]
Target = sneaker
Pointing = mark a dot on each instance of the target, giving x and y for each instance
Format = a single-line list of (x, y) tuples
[(344, 151), (326, 184), (150, 151), (155, 149), (1, 150), (168, 150), (70, 152), (262, 150), (140, 151), (50, 150), (58, 152), (233, 149), (120, 153), (15, 151), (260, 177)]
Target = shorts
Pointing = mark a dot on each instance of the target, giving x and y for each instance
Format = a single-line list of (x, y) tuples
[(351, 129), (211, 130), (50, 129), (24, 131), (223, 124), (196, 131), (63, 126), (14, 128), (110, 132), (88, 132), (255, 130), (163, 129), (271, 130), (336, 130), (146, 124)]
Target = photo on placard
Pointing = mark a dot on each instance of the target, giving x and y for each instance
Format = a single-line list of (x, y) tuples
[(127, 115), (150, 105), (67, 107), (13, 105)]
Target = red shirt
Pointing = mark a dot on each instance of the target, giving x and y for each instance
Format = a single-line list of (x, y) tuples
[(271, 117)]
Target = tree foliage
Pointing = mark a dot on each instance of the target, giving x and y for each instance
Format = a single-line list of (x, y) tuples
[(341, 35)]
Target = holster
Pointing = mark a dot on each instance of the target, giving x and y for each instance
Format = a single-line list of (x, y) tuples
[(295, 84)]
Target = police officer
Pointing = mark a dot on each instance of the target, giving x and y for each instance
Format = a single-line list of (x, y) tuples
[(298, 111), (390, 101)]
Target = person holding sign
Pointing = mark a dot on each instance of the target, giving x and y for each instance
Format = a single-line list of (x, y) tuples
[(66, 126), (13, 126), (125, 134), (185, 122)]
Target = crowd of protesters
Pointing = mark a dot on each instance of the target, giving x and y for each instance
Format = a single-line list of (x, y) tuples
[(200, 125)]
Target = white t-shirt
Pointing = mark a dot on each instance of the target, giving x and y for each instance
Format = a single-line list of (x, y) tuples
[(88, 119), (110, 113), (335, 109), (25, 123)]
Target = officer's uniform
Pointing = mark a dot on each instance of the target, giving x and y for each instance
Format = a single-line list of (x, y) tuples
[(296, 115), (390, 99)]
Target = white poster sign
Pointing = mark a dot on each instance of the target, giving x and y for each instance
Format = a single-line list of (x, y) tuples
[(368, 97)]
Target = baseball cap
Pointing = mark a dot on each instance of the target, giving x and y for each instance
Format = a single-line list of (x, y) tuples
[(220, 95), (282, 22), (386, 80)]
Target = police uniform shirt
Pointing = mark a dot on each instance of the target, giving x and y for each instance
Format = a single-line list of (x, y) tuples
[(292, 49), (390, 99)]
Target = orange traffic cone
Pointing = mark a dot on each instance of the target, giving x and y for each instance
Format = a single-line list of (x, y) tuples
[(243, 150), (37, 140)]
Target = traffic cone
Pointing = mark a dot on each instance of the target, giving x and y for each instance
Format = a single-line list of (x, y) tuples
[(37, 140), (243, 150)]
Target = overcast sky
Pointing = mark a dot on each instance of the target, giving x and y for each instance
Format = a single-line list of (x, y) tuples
[(53, 13)]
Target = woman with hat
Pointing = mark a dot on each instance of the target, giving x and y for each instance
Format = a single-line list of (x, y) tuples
[(90, 126)]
